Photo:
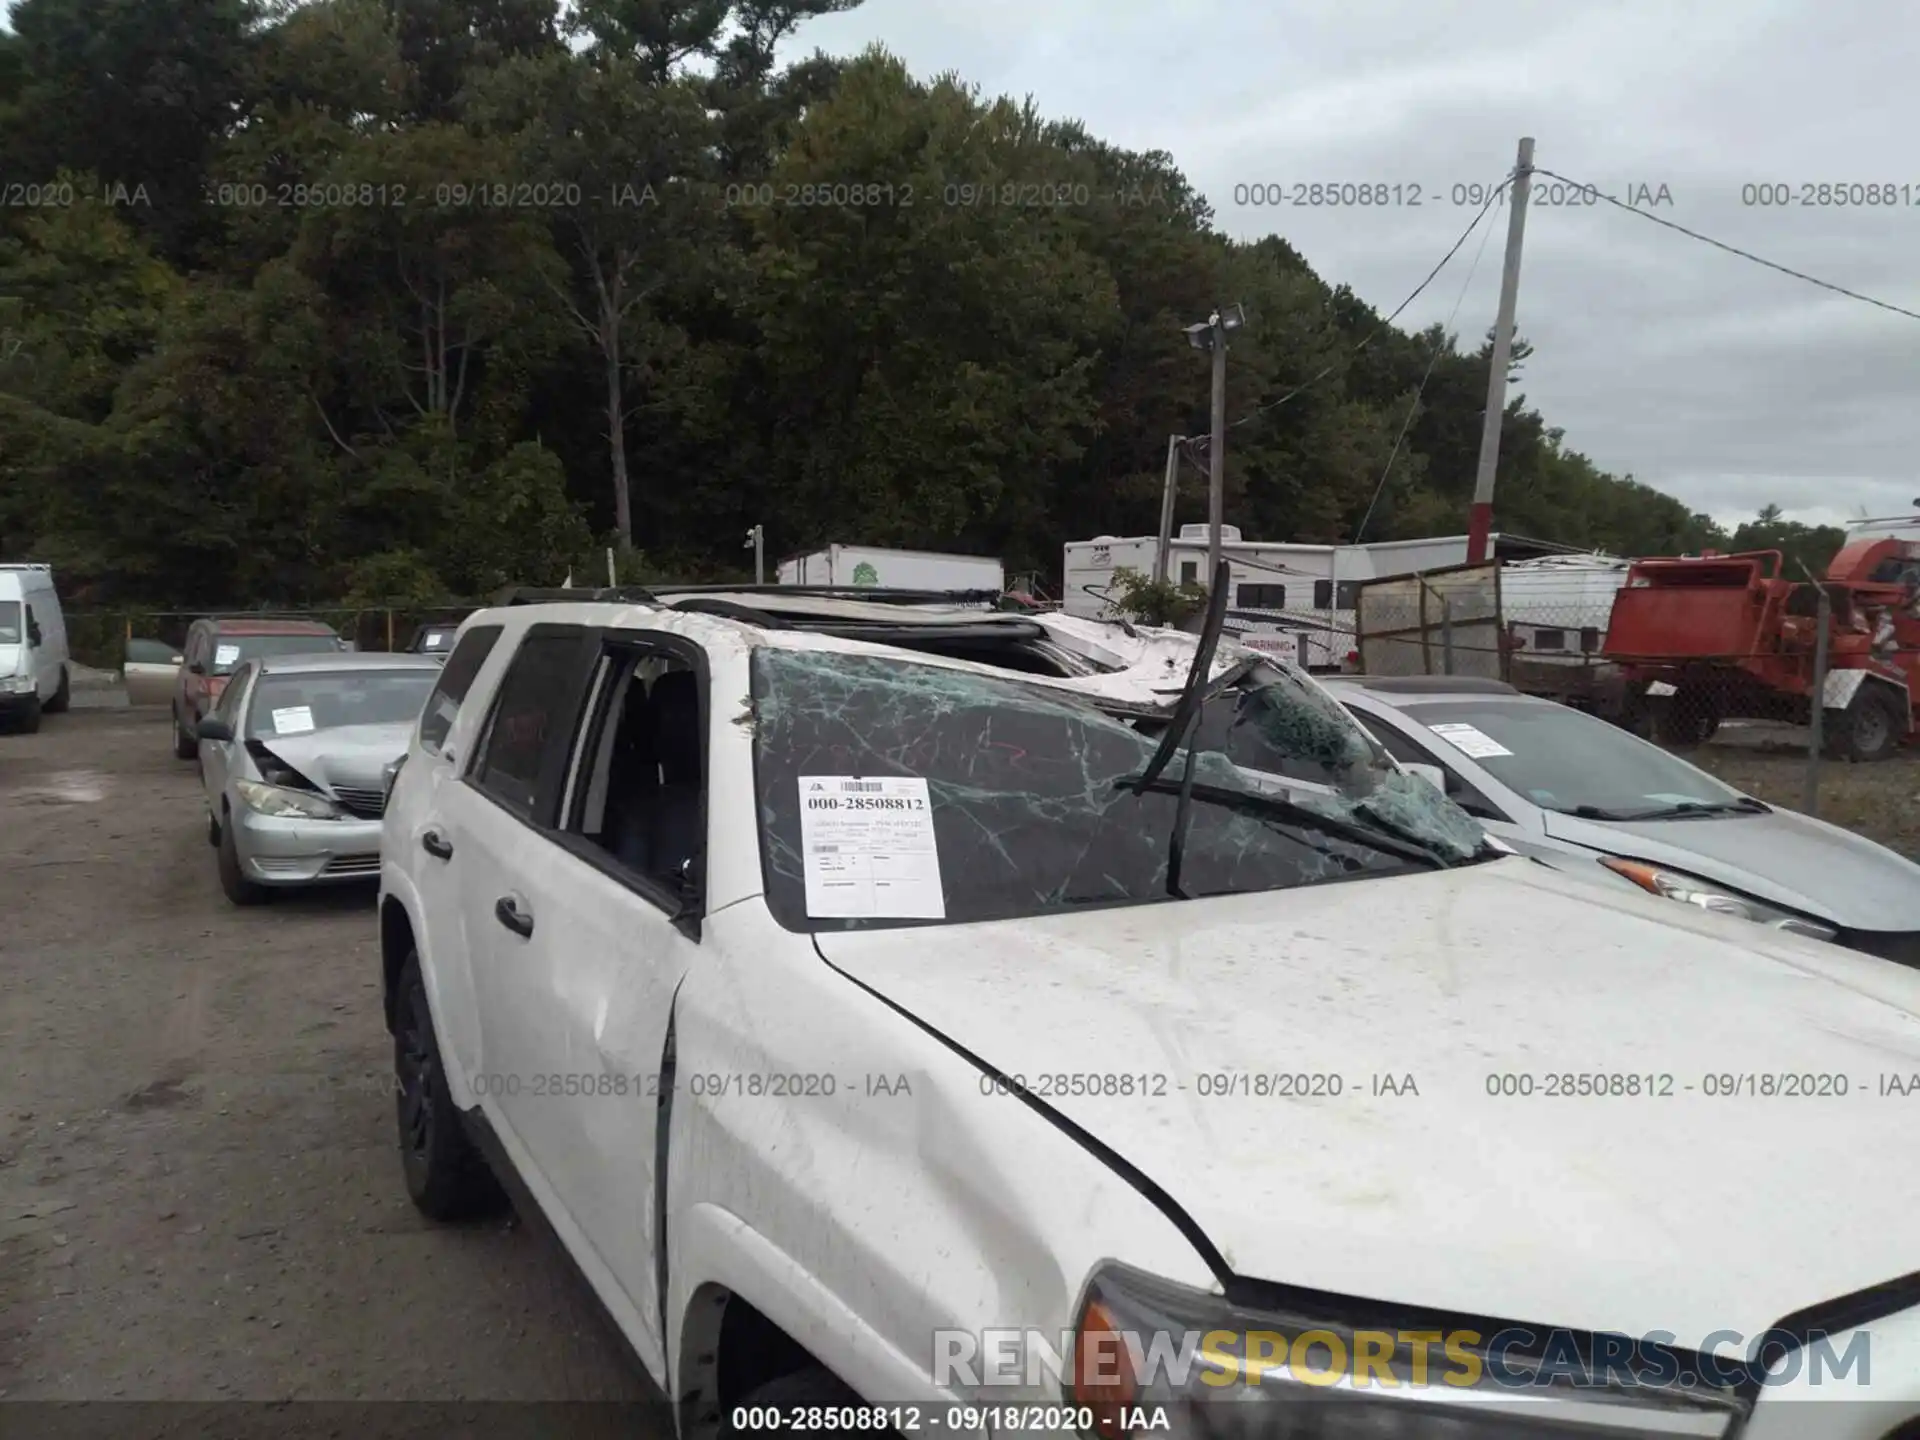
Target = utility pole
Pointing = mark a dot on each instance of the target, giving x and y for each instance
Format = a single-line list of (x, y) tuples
[(756, 541), (1480, 518), (1212, 334), (1217, 452), (1166, 509)]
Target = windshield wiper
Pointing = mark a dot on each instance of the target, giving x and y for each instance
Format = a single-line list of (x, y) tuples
[(1181, 725), (1387, 841), (1745, 805)]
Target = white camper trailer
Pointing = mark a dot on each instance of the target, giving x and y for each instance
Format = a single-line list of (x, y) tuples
[(864, 565), (1556, 608), (1291, 599)]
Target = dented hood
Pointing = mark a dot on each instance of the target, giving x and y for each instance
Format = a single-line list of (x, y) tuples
[(1685, 1211), (350, 755)]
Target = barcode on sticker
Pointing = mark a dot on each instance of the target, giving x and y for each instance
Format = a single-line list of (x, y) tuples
[(873, 785)]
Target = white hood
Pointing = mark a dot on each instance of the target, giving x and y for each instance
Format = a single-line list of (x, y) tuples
[(13, 661), (1688, 1214)]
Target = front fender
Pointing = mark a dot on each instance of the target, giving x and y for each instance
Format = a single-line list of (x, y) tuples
[(897, 1199), (449, 985)]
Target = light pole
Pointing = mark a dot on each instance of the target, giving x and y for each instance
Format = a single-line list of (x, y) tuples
[(756, 542), (1211, 334)]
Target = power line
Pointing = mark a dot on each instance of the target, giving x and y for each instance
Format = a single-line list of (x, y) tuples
[(1433, 361), (1494, 193), (1732, 249)]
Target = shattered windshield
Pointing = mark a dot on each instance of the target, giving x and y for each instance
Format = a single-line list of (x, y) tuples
[(892, 791)]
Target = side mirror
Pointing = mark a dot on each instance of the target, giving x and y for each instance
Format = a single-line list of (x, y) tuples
[(1432, 774), (214, 729), (198, 667)]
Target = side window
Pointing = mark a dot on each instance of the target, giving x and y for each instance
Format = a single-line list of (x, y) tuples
[(1408, 752), (639, 787), (528, 725), (1323, 594), (1189, 572), (436, 720)]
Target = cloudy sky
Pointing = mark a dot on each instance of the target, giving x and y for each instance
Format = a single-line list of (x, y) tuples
[(1718, 381)]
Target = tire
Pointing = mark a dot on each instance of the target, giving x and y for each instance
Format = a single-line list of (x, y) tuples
[(447, 1177), (233, 881), (63, 697), (213, 829), (1872, 728), (185, 746), (26, 720), (1686, 719), (812, 1387)]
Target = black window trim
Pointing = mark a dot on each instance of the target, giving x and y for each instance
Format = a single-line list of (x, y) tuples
[(239, 684), (589, 727), (565, 709), (496, 631)]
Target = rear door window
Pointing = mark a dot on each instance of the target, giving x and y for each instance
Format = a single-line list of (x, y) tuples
[(533, 719), (456, 679)]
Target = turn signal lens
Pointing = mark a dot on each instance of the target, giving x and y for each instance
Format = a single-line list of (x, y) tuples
[(1103, 1378)]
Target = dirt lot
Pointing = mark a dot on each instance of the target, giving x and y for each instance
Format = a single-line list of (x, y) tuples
[(200, 1197)]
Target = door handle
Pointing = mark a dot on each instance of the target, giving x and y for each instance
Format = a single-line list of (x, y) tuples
[(512, 916), (434, 845)]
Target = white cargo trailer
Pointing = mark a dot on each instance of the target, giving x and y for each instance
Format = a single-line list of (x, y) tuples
[(864, 565)]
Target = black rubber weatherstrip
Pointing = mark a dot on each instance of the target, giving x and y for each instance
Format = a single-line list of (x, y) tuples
[(1849, 1312), (1119, 1164)]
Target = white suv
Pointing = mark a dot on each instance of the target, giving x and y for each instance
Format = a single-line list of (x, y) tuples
[(870, 1021)]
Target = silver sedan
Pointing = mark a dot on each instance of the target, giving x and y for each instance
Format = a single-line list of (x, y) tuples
[(1589, 799), (292, 761)]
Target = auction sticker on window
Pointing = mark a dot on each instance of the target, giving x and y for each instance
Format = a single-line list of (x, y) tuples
[(1469, 741), (226, 654), (293, 720), (870, 851)]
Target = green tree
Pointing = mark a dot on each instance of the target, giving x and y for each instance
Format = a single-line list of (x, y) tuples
[(637, 215), (135, 93)]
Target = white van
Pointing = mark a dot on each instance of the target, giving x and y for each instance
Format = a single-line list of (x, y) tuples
[(33, 647)]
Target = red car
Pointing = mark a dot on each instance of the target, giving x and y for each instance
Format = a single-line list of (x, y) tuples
[(215, 648)]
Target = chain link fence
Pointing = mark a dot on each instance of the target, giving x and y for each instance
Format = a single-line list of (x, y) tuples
[(1749, 718)]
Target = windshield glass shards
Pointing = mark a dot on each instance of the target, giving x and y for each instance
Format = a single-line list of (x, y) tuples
[(892, 791)]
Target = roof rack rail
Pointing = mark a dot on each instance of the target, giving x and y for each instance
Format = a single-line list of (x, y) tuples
[(575, 595), (877, 594)]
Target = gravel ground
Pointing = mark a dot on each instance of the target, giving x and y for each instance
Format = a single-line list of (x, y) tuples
[(200, 1198)]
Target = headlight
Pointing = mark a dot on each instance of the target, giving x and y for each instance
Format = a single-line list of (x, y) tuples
[(285, 804), (22, 684), (1253, 1374), (1676, 886), (389, 775)]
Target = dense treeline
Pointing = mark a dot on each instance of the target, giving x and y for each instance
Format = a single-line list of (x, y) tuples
[(389, 299)]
